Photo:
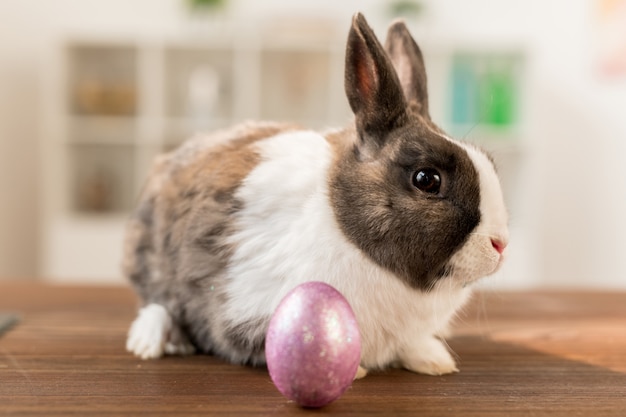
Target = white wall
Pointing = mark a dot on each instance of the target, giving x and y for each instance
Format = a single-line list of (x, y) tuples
[(19, 173), (572, 194), (28, 31), (581, 140)]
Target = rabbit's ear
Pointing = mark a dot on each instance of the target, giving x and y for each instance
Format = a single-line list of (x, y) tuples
[(409, 64), (372, 85)]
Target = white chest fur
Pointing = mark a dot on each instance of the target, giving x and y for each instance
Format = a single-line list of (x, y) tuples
[(288, 235)]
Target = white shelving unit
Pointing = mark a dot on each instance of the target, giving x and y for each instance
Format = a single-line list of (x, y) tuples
[(123, 101)]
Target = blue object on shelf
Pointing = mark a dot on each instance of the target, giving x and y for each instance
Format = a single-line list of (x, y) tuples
[(485, 90), (464, 91)]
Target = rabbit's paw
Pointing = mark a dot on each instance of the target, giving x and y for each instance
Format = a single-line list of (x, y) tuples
[(429, 356), (154, 334), (360, 373)]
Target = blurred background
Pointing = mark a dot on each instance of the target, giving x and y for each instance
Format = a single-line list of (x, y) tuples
[(91, 91)]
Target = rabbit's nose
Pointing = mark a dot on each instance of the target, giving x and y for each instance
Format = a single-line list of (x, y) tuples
[(498, 244)]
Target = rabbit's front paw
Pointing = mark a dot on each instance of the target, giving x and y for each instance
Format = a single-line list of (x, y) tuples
[(429, 356), (148, 335)]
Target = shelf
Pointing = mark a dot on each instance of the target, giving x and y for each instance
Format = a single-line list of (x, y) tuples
[(479, 132), (102, 130), (183, 128), (295, 85), (199, 84), (102, 79), (101, 178)]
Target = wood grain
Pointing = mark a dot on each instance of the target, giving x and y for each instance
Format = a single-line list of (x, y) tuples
[(556, 354)]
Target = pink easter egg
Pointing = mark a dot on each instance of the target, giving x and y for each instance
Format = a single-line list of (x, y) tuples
[(313, 345)]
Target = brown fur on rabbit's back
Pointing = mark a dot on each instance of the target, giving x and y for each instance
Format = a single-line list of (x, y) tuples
[(187, 203)]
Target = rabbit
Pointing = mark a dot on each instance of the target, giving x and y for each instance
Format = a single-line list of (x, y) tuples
[(393, 213)]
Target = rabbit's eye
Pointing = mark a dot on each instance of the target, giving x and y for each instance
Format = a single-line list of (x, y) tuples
[(427, 180)]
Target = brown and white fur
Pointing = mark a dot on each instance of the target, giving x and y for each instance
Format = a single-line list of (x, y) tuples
[(390, 211)]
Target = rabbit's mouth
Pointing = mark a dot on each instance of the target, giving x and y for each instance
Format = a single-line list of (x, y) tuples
[(476, 259)]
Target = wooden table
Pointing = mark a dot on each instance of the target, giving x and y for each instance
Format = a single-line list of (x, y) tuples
[(556, 354)]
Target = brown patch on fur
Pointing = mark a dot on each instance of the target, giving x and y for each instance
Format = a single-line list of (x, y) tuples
[(185, 213), (342, 141)]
